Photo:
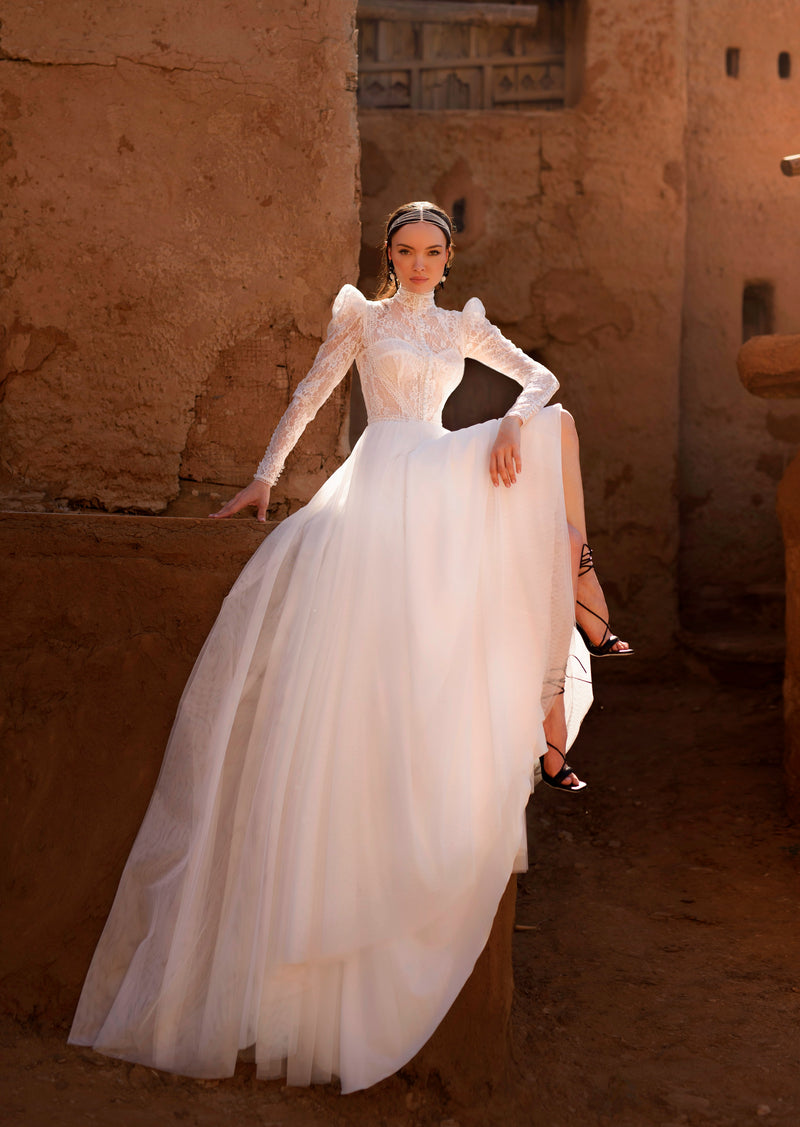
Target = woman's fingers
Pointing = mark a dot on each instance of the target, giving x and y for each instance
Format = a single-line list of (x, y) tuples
[(256, 493), (509, 465), (504, 465), (506, 457), (505, 469), (227, 509)]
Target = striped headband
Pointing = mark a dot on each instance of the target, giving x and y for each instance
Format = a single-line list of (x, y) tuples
[(420, 215)]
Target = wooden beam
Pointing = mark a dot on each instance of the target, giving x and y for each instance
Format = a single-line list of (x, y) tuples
[(790, 166), (438, 11), (461, 63)]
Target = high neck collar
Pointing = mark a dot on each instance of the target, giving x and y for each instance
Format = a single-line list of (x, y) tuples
[(416, 302)]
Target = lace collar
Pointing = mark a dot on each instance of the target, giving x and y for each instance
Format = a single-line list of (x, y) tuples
[(415, 302)]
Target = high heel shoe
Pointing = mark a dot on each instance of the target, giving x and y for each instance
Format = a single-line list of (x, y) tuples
[(605, 647), (557, 781)]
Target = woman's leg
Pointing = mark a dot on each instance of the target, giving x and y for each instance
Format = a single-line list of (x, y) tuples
[(555, 732), (555, 723), (591, 593)]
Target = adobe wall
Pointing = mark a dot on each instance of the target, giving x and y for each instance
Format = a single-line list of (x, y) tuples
[(769, 366), (180, 207), (574, 240), (105, 616), (743, 217)]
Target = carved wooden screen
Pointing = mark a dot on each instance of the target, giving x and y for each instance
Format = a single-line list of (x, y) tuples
[(415, 54)]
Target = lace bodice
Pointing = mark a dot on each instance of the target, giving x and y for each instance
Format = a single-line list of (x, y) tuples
[(410, 357)]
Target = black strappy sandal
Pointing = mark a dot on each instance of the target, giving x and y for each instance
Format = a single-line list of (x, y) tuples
[(605, 647), (557, 781)]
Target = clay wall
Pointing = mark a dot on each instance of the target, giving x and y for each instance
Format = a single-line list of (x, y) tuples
[(743, 217), (180, 206), (107, 616), (574, 240)]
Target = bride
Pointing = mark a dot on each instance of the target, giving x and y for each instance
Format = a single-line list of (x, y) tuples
[(342, 798)]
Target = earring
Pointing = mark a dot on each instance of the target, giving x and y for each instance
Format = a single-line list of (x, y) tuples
[(444, 276), (393, 275)]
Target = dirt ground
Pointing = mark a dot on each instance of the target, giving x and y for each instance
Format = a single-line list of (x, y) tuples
[(656, 951)]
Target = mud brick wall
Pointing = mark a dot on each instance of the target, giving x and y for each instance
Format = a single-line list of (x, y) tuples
[(742, 278), (104, 618), (180, 206)]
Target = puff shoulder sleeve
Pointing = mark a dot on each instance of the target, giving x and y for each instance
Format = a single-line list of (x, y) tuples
[(338, 351), (483, 341)]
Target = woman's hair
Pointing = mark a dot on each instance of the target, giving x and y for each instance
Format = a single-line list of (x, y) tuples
[(421, 211)]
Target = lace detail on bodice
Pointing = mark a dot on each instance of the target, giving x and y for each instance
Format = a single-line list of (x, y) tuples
[(410, 357)]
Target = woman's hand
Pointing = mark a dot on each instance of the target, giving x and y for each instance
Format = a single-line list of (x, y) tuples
[(506, 459), (256, 493)]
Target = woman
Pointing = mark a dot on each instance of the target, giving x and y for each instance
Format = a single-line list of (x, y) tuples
[(342, 799)]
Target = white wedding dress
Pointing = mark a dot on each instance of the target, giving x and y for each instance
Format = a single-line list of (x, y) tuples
[(342, 799)]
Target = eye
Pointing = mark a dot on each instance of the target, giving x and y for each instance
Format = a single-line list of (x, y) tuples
[(436, 253), (403, 250)]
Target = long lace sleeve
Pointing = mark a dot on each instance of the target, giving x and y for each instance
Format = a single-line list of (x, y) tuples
[(337, 352), (483, 341)]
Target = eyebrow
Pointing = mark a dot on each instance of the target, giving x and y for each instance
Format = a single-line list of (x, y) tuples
[(433, 246)]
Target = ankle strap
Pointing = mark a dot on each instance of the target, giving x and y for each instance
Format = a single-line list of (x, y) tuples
[(587, 563)]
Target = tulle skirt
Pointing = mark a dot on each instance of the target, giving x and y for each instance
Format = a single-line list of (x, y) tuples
[(342, 798)]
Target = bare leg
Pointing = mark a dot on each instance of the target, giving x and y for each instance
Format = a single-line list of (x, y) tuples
[(571, 473), (555, 732), (555, 723), (591, 591)]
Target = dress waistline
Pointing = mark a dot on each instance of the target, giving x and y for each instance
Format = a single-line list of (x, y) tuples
[(436, 424)]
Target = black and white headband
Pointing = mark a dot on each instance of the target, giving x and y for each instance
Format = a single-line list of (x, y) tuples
[(420, 214)]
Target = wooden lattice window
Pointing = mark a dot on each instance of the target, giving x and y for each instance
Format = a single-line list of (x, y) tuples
[(441, 55)]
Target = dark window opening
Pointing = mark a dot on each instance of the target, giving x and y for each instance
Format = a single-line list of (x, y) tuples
[(757, 309), (732, 62), (459, 211), (784, 65)]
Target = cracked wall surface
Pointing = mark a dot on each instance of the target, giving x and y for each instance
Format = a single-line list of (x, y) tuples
[(743, 222), (179, 207), (574, 240)]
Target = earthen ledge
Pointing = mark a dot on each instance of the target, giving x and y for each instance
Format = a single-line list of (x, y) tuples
[(107, 534), (769, 366)]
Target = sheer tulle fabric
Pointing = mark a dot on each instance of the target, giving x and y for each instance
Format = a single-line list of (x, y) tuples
[(342, 798)]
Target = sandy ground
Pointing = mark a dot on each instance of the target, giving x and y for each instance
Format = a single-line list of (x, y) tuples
[(656, 955)]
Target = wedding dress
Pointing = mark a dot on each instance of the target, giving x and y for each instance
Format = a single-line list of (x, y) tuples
[(342, 798)]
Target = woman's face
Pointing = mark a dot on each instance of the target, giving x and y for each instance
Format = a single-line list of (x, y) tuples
[(419, 253)]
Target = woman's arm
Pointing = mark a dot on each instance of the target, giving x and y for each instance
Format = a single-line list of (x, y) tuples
[(338, 351), (483, 341)]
